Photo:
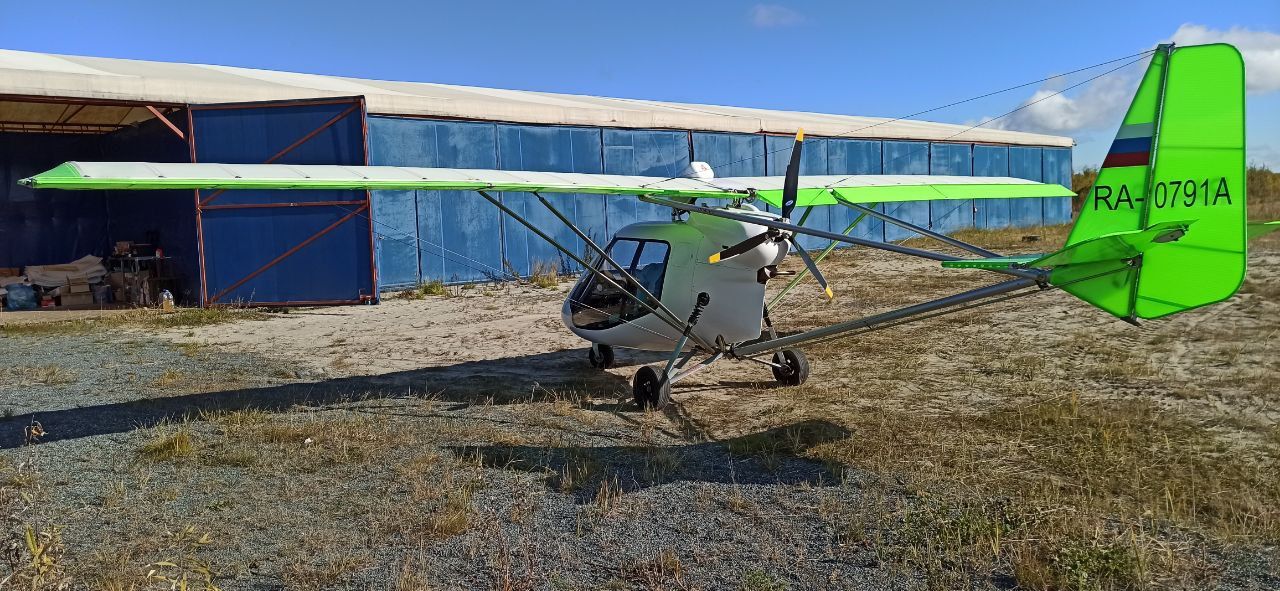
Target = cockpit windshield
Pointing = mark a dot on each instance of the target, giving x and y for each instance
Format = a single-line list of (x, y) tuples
[(597, 305)]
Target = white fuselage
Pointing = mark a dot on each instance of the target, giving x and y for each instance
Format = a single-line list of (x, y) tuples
[(596, 312)]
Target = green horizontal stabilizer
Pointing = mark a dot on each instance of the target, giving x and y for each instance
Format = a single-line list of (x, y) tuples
[(1108, 247), (1115, 245), (1260, 229), (992, 263)]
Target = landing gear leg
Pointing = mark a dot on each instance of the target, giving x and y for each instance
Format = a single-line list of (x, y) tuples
[(651, 389), (791, 367), (601, 356)]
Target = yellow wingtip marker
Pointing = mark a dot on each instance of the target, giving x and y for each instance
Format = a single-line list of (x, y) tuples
[(800, 134), (831, 295), (713, 259)]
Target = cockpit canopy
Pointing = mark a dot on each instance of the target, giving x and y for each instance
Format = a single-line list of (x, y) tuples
[(597, 305)]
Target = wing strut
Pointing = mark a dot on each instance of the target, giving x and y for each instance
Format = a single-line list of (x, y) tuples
[(914, 228), (671, 316), (585, 265), (818, 259)]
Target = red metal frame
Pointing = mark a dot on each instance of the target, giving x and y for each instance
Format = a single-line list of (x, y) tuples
[(357, 103), (166, 122), (368, 197), (191, 148)]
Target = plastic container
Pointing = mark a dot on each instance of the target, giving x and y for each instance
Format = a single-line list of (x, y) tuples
[(166, 302), (21, 297)]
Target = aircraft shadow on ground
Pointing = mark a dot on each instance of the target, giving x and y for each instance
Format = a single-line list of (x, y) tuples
[(498, 381), (768, 457), (509, 380)]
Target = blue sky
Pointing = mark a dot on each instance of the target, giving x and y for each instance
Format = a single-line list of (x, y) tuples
[(886, 58)]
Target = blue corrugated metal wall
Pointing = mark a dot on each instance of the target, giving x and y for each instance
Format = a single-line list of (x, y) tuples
[(949, 215), (410, 227), (550, 149), (240, 241), (1024, 163), (991, 214), (906, 158), (855, 157), (1057, 169)]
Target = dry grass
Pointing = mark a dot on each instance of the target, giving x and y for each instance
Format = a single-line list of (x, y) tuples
[(546, 274), (36, 375), (1047, 238), (330, 572), (1105, 458), (138, 318), (1057, 493), (663, 571), (441, 488), (169, 443), (423, 290)]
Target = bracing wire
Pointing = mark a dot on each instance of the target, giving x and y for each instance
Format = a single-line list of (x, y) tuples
[(1139, 56), (445, 253)]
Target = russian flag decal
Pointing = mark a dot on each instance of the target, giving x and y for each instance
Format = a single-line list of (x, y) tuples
[(1132, 146)]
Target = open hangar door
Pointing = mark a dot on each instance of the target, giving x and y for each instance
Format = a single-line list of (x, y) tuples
[(43, 227), (283, 248)]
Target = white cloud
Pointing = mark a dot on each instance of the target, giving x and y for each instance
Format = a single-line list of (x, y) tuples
[(1100, 104), (1261, 51), (766, 16)]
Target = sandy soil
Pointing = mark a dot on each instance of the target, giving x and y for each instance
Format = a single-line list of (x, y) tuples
[(479, 324)]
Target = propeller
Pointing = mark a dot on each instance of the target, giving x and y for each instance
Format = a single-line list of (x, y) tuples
[(791, 183), (790, 193)]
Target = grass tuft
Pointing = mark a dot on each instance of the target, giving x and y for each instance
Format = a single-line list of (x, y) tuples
[(169, 446), (546, 275)]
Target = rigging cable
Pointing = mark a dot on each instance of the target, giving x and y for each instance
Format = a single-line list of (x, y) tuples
[(1139, 56)]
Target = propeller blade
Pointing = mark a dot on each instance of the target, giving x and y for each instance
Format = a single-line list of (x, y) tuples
[(739, 248), (791, 184), (813, 269)]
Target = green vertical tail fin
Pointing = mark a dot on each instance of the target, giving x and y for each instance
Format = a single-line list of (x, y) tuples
[(1177, 165)]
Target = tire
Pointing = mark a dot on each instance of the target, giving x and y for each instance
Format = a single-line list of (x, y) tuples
[(795, 368), (604, 360), (649, 389)]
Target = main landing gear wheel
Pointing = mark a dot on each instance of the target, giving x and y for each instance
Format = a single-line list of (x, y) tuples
[(650, 389), (601, 356), (794, 368)]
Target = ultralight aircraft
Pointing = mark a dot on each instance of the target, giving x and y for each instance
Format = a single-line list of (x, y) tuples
[(1162, 231)]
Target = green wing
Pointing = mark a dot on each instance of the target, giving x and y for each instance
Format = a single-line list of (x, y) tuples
[(816, 190)]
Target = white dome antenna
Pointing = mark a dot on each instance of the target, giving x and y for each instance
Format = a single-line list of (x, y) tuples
[(699, 170)]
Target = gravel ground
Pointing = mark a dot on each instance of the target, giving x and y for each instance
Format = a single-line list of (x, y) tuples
[(673, 514)]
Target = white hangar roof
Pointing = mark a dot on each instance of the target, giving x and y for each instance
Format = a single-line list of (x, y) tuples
[(27, 77)]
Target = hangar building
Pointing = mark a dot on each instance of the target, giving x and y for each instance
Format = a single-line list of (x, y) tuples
[(335, 247)]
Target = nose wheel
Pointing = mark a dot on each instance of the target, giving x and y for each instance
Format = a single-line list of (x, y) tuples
[(600, 356), (651, 389), (791, 367)]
